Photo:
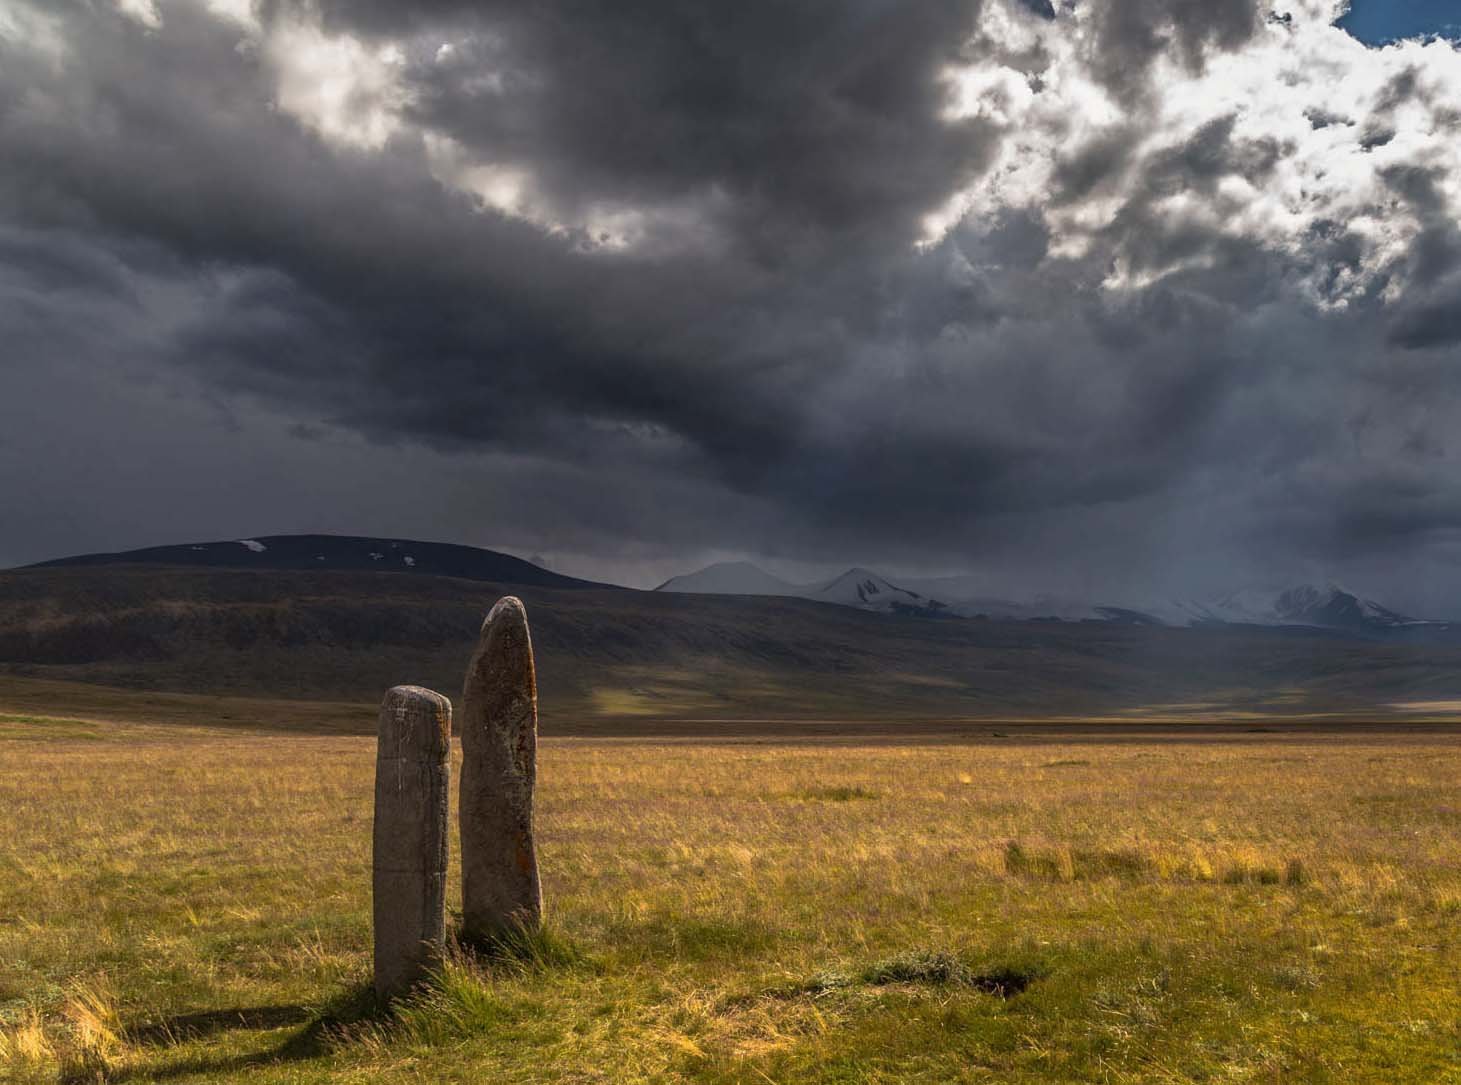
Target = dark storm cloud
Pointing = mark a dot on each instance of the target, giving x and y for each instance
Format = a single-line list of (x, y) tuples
[(792, 114), (589, 253), (1428, 316), (1130, 36), (374, 291), (1101, 161)]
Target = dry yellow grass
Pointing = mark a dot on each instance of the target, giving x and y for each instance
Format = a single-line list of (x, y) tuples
[(194, 905)]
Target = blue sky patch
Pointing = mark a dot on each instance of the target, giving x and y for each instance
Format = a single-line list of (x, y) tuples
[(1376, 22)]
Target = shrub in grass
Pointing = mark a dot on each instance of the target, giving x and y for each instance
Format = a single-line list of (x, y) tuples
[(944, 969), (1248, 874), (523, 948), (837, 794), (1297, 977), (1056, 865)]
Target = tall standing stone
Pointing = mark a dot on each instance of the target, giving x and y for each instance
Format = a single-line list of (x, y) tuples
[(501, 893), (412, 770)]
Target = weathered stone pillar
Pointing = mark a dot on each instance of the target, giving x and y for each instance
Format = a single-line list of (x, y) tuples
[(500, 888), (412, 769)]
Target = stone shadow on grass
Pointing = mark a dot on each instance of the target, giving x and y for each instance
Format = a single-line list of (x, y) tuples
[(185, 1027), (321, 1025)]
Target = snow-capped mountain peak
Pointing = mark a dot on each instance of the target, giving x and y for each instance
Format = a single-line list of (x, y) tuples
[(860, 587), (857, 587), (1333, 606), (1327, 606)]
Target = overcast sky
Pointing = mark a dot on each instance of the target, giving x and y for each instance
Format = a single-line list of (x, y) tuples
[(1127, 298)]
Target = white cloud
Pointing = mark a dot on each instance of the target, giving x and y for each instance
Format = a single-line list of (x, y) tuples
[(142, 11), (1305, 89), (35, 31), (350, 92), (242, 12), (512, 190)]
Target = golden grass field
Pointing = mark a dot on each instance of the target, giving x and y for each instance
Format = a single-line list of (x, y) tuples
[(187, 904)]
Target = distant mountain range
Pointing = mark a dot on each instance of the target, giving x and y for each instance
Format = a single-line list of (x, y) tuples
[(615, 661), (341, 618), (1328, 607), (1323, 607)]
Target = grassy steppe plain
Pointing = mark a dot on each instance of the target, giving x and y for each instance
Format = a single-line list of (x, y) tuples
[(189, 904)]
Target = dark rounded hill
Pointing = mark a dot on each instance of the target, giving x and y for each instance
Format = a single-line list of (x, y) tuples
[(340, 553)]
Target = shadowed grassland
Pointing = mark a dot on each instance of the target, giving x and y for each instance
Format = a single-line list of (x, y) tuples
[(193, 905)]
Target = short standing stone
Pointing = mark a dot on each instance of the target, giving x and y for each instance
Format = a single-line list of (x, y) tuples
[(501, 893), (412, 769)]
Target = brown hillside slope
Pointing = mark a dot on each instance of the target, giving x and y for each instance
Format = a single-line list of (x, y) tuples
[(623, 654)]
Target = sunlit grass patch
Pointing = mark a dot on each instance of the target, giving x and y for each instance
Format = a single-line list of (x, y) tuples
[(27, 1053), (92, 1048), (201, 913), (678, 936)]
